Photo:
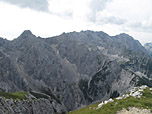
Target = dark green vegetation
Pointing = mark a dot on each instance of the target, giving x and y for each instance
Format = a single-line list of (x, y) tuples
[(16, 95), (111, 108)]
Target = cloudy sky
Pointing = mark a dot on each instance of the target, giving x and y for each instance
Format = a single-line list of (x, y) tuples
[(47, 18)]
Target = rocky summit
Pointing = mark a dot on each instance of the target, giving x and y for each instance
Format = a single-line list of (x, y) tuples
[(70, 71)]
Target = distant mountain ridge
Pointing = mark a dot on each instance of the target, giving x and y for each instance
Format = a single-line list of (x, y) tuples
[(148, 47), (74, 69)]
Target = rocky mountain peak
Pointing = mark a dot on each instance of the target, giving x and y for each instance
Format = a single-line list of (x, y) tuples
[(27, 34), (124, 36)]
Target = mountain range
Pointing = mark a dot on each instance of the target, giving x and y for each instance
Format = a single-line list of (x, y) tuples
[(73, 69)]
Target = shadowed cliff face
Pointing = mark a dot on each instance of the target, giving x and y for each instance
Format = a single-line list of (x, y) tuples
[(76, 68)]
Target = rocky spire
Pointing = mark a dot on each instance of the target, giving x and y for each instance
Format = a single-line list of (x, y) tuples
[(27, 34)]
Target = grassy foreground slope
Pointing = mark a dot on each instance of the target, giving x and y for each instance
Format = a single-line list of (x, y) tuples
[(143, 101)]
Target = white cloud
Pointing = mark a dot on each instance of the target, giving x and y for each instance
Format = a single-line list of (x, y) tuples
[(14, 20), (97, 6), (147, 24), (52, 17), (83, 9), (39, 5), (104, 17)]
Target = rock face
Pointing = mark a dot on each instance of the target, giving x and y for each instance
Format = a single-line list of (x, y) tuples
[(74, 69), (39, 106)]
